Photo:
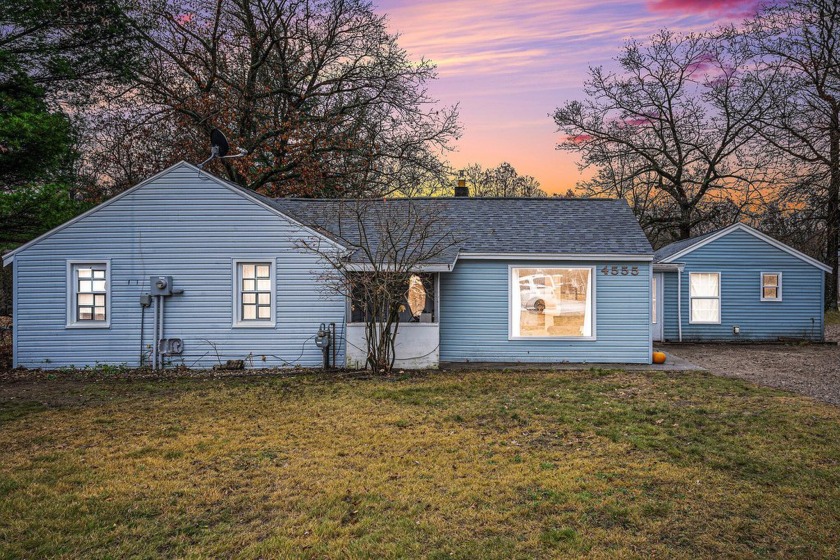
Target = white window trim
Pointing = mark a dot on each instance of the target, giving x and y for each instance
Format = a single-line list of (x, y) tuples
[(70, 293), (654, 297), (719, 298), (593, 281), (761, 286), (236, 295)]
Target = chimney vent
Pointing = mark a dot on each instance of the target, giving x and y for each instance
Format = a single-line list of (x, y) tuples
[(462, 189)]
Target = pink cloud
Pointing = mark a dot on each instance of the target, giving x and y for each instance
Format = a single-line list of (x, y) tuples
[(636, 122), (726, 8), (702, 63), (184, 19), (578, 138)]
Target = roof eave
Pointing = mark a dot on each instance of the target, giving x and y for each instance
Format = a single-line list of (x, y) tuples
[(755, 233), (10, 257), (641, 257)]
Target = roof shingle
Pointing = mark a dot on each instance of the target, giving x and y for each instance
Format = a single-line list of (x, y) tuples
[(493, 225)]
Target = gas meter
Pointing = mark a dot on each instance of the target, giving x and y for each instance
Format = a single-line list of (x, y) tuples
[(322, 339)]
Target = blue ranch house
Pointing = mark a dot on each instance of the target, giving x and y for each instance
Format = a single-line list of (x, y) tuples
[(188, 269)]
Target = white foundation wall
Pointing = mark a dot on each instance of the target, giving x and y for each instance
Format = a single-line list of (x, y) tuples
[(417, 346)]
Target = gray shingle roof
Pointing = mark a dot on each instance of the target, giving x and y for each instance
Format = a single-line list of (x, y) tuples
[(488, 225), (678, 246)]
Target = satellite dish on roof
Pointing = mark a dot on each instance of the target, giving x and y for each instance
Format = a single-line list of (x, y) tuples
[(219, 148), (218, 143)]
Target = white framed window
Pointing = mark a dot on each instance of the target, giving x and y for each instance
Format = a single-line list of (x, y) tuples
[(704, 297), (254, 295), (552, 303), (771, 286), (88, 294)]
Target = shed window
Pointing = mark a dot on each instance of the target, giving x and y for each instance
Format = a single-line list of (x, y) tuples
[(255, 293), (704, 293), (551, 303), (771, 286), (88, 296)]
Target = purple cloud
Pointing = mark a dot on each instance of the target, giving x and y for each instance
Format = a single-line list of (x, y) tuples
[(726, 8)]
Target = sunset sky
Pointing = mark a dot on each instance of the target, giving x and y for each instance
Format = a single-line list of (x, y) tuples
[(509, 63)]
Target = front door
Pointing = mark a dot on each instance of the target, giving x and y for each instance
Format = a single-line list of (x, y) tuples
[(656, 306)]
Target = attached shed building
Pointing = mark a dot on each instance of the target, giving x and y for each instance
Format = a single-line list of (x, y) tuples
[(736, 284)]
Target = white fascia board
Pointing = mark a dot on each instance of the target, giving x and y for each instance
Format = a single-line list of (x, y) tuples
[(361, 267), (758, 235), (245, 194), (556, 257), (668, 267), (9, 257)]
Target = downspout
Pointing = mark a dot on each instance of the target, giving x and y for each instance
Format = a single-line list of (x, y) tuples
[(650, 312), (679, 303)]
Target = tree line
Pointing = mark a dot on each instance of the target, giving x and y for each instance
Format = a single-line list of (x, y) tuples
[(696, 131)]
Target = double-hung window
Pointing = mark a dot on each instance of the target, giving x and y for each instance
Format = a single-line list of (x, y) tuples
[(704, 294), (771, 286), (88, 297), (254, 293)]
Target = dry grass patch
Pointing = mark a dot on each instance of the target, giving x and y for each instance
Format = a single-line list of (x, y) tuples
[(492, 465)]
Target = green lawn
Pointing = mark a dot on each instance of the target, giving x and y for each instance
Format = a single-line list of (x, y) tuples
[(468, 465)]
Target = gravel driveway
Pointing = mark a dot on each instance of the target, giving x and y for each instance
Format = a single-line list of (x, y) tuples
[(812, 370)]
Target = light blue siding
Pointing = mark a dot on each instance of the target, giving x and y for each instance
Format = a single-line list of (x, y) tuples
[(741, 258), (191, 228), (474, 317)]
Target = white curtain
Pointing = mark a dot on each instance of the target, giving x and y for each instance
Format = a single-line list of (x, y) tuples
[(705, 284), (704, 290), (586, 330), (515, 303)]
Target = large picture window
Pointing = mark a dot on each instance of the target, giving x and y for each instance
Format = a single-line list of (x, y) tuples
[(551, 302), (88, 295), (704, 293), (254, 293)]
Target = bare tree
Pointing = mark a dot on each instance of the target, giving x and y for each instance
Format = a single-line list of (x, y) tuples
[(671, 131), (387, 243), (502, 180), (799, 41), (318, 92)]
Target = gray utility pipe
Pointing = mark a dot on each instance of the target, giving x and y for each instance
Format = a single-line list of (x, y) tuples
[(160, 331), (155, 334)]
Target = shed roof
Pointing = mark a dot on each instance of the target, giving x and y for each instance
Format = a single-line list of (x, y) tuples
[(677, 246)]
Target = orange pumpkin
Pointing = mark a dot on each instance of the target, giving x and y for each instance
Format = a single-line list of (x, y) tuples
[(659, 357)]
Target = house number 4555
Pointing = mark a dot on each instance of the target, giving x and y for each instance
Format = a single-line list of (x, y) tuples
[(620, 270)]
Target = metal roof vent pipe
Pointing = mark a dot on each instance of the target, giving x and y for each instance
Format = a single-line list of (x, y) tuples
[(462, 190)]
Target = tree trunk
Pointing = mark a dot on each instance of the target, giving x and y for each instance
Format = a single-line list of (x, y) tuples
[(833, 217), (685, 221)]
